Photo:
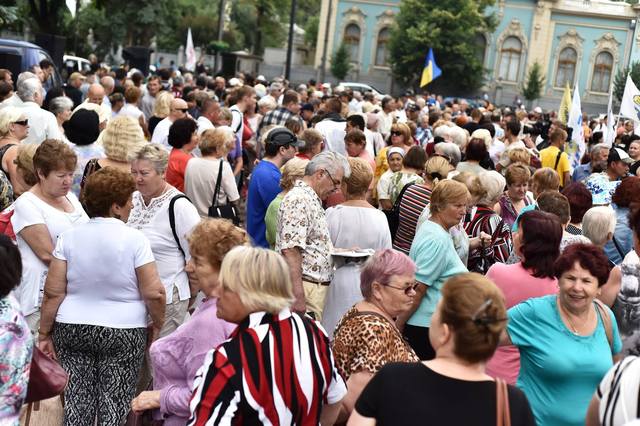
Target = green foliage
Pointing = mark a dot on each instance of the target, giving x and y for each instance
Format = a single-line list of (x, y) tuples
[(450, 28), (532, 89), (8, 15), (621, 79), (311, 31), (340, 64)]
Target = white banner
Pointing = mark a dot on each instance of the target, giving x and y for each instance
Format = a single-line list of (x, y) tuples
[(190, 52), (576, 148)]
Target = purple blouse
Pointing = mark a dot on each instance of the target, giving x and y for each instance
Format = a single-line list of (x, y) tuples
[(177, 357)]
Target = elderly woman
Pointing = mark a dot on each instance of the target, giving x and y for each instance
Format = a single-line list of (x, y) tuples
[(436, 259), (16, 343), (14, 127), (291, 172), (400, 137), (598, 225), (475, 152), (82, 130), (346, 222), (235, 383), (366, 338), (176, 358), (62, 108), (415, 199), (165, 216), (203, 175), (40, 215), (411, 172), (537, 244), (453, 388), (544, 179), (626, 197), (485, 219), (516, 197), (183, 137), (580, 200), (395, 156), (450, 151), (94, 314), (161, 109), (566, 342)]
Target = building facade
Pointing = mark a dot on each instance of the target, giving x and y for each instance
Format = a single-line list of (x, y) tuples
[(575, 41)]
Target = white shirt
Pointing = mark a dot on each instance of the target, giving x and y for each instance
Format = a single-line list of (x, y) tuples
[(98, 293), (161, 133), (204, 124), (373, 139), (130, 110), (31, 210), (153, 221), (333, 133), (236, 121), (385, 123), (384, 184), (13, 100), (200, 179), (42, 124)]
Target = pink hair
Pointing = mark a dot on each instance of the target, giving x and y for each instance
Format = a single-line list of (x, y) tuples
[(382, 266)]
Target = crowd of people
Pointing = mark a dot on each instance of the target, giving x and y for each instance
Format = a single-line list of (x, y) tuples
[(196, 250)]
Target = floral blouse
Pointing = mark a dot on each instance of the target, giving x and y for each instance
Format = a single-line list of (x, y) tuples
[(366, 341), (16, 346)]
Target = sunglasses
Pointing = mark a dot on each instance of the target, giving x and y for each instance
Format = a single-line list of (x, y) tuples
[(396, 133), (406, 290), (22, 122), (182, 109)]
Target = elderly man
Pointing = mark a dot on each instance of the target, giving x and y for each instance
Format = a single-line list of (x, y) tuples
[(387, 116), (302, 232), (333, 126), (149, 99), (95, 102), (603, 185), (177, 110), (279, 116), (72, 89), (208, 115), (599, 154), (42, 124), (109, 84), (14, 100)]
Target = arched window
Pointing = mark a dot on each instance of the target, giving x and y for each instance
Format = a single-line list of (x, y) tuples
[(510, 55), (352, 41), (602, 72), (481, 47), (566, 72), (382, 47)]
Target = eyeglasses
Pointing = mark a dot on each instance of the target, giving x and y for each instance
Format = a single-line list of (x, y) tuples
[(396, 133), (406, 290), (22, 122), (336, 183)]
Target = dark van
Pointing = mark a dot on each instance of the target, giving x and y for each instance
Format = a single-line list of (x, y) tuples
[(19, 56)]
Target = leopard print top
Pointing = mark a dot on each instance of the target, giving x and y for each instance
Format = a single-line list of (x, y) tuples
[(367, 341)]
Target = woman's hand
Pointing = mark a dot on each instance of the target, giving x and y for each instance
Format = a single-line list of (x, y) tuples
[(483, 240), (147, 400), (45, 344)]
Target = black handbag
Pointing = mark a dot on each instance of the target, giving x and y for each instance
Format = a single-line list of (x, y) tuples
[(228, 211)]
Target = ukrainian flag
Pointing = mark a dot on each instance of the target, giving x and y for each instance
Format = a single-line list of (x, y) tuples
[(431, 71)]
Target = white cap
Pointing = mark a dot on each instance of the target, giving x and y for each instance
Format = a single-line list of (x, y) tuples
[(261, 78), (233, 82), (326, 85), (537, 110)]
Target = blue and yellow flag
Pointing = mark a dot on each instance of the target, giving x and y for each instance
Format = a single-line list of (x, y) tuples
[(431, 71), (565, 105)]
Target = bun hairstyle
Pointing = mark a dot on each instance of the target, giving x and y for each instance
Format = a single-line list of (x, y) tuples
[(473, 307), (437, 168)]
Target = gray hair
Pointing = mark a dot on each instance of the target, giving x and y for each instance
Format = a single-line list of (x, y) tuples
[(153, 153), (28, 88), (267, 102), (599, 224), (494, 184), (598, 147), (25, 75), (444, 131), (451, 150), (330, 161), (60, 104), (459, 136)]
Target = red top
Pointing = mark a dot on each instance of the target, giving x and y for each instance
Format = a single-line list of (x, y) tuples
[(178, 160)]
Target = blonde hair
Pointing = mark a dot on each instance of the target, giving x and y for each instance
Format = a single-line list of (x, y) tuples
[(259, 277), (225, 114), (155, 154), (447, 192), (219, 141), (8, 116), (519, 155), (494, 183), (162, 105), (473, 184), (213, 238), (24, 163), (360, 178), (292, 171), (122, 138), (545, 179), (437, 168)]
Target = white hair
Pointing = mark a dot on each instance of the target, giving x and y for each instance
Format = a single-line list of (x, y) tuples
[(331, 161), (8, 116), (451, 150), (444, 131), (599, 224), (60, 104), (459, 136), (28, 88), (267, 102), (494, 183)]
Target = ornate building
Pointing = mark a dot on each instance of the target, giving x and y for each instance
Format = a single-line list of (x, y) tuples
[(575, 41)]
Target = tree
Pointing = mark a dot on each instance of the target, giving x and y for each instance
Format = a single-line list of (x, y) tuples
[(621, 79), (535, 83), (8, 15), (340, 64), (450, 28)]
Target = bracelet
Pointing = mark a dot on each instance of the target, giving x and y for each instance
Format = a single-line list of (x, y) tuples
[(44, 334)]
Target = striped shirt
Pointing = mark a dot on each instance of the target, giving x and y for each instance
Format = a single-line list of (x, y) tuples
[(486, 220), (413, 202), (618, 393), (274, 369)]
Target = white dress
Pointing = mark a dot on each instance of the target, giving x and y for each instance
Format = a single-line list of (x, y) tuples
[(345, 227)]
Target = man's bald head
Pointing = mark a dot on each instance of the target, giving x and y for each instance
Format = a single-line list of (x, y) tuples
[(179, 109), (108, 83), (95, 95)]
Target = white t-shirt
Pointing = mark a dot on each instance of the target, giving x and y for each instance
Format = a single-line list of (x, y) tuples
[(384, 184), (373, 139), (200, 182), (130, 110), (237, 122), (161, 133), (153, 221), (204, 124), (31, 210), (333, 132), (98, 292), (42, 124)]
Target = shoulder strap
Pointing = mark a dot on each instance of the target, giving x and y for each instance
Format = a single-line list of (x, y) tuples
[(618, 248), (606, 321), (216, 191), (241, 117), (555, 167), (503, 412), (172, 219), (401, 194)]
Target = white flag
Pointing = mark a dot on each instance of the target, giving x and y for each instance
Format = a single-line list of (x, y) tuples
[(190, 64), (72, 4), (630, 106), (576, 148), (611, 134)]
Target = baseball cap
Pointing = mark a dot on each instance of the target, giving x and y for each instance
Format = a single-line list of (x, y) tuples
[(283, 136), (617, 154), (537, 110)]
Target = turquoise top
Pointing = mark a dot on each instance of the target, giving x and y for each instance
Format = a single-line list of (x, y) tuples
[(437, 261), (559, 371), (523, 210)]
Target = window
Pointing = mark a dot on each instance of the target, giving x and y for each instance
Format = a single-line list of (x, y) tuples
[(602, 72), (352, 41), (382, 48), (566, 67), (510, 55), (481, 47)]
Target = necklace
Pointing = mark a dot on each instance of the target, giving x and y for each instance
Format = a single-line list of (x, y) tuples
[(573, 328)]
